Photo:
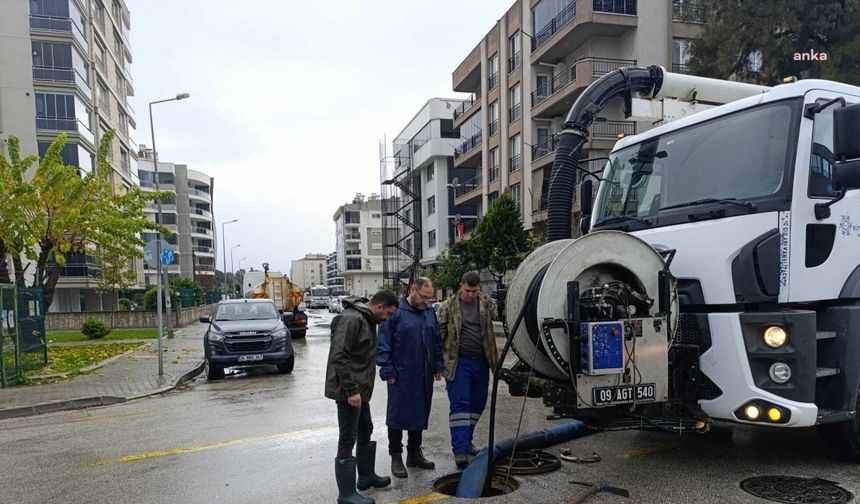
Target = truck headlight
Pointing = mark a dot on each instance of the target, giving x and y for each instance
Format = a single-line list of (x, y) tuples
[(775, 336), (780, 372), (280, 333), (215, 335)]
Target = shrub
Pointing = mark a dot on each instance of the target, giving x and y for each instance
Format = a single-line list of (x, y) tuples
[(94, 329), (125, 304), (150, 299)]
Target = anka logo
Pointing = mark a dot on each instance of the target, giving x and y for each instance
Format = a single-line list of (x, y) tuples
[(810, 56)]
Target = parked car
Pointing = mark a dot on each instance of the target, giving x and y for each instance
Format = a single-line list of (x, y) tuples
[(245, 332), (336, 304)]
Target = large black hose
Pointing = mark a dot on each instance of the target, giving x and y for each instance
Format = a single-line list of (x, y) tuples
[(618, 83)]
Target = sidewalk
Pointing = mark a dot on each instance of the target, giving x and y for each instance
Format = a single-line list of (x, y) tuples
[(129, 377)]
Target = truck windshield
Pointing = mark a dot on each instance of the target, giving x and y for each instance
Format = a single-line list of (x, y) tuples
[(739, 157), (246, 311), (319, 292)]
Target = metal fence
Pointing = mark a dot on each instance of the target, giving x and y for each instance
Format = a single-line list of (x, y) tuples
[(23, 344)]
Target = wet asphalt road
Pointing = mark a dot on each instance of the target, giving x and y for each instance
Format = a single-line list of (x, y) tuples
[(258, 436)]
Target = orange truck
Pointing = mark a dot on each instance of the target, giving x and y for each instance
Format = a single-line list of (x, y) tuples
[(288, 298)]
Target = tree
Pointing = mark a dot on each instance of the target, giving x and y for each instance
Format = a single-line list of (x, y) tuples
[(452, 264), (758, 41), (499, 242), (59, 212)]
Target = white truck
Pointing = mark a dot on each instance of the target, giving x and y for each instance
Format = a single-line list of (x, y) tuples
[(719, 276)]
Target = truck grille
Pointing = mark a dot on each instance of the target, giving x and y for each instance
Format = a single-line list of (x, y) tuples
[(688, 332), (246, 344)]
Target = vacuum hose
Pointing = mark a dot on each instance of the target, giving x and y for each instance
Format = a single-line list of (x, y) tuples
[(618, 83)]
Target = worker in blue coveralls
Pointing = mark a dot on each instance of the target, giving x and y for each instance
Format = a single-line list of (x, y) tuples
[(409, 356), (466, 324)]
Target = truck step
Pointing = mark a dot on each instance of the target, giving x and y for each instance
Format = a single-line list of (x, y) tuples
[(823, 335), (833, 416), (826, 371)]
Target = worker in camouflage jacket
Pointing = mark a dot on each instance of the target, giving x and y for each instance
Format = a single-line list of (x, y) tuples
[(469, 346)]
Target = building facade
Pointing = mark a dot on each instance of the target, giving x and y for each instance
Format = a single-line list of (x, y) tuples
[(188, 214), (309, 271), (525, 74), (65, 68), (333, 280), (358, 231)]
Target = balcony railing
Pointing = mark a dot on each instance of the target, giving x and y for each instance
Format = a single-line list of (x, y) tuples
[(612, 129), (205, 268), (514, 113), (494, 173), (515, 163), (201, 212), (682, 68), (616, 6), (352, 236), (687, 12), (544, 147), (468, 186), (198, 192), (64, 124), (494, 127), (466, 105), (493, 81), (58, 24), (514, 62), (54, 74), (201, 230), (203, 249), (468, 145), (559, 81), (353, 252), (602, 66), (544, 34), (80, 270)]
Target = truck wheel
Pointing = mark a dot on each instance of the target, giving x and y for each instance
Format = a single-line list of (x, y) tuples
[(214, 372), (286, 367), (844, 437)]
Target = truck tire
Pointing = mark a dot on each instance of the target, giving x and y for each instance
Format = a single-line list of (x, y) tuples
[(286, 367), (844, 437), (213, 371)]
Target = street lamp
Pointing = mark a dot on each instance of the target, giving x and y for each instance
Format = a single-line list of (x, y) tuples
[(180, 96), (224, 250), (240, 269), (232, 274)]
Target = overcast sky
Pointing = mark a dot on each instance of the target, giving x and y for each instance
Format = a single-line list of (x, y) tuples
[(289, 100)]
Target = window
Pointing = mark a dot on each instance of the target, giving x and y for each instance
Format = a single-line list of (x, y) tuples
[(53, 8), (376, 216), (123, 159), (55, 111), (494, 117), (431, 172), (352, 217), (103, 97), (431, 238), (513, 52), (492, 197), (72, 153), (821, 160), (493, 72), (516, 146), (431, 205), (495, 161), (542, 90), (516, 193), (515, 97), (448, 129)]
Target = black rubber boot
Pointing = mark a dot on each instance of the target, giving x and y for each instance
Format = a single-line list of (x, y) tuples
[(344, 474), (365, 457), (397, 468), (415, 458)]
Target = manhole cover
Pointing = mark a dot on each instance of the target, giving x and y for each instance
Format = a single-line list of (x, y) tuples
[(794, 490), (528, 462), (498, 486)]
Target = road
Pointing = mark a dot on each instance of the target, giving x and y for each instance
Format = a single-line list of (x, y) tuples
[(262, 437)]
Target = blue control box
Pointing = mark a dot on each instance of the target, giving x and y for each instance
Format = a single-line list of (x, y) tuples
[(602, 348)]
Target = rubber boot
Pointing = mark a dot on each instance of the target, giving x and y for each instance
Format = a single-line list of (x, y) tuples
[(365, 459), (344, 474), (397, 468), (415, 458)]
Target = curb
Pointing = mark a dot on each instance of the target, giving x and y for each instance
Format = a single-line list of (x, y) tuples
[(89, 402)]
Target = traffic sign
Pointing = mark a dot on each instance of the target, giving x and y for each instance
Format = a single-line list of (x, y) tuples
[(149, 253), (168, 256)]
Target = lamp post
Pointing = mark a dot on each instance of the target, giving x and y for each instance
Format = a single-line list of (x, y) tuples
[(178, 97), (240, 269), (232, 274), (224, 251)]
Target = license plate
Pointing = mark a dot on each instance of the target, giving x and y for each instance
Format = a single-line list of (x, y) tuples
[(250, 358), (607, 396)]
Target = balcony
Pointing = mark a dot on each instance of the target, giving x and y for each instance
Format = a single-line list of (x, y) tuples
[(556, 96), (579, 22), (688, 12), (54, 124), (80, 270), (353, 252), (469, 190), (514, 62), (492, 82), (494, 127), (515, 163), (52, 24), (197, 193), (542, 149), (612, 129), (62, 75), (201, 231), (494, 173), (205, 269), (352, 236), (467, 150), (466, 78), (201, 249), (682, 68), (465, 106), (514, 113)]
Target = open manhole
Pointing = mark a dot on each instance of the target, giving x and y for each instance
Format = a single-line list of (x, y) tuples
[(528, 462), (500, 485), (793, 490)]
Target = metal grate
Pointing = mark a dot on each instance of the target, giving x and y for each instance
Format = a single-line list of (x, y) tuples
[(528, 462), (688, 332), (250, 345), (707, 389), (793, 490)]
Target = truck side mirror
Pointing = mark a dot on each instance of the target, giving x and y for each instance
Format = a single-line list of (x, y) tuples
[(586, 197), (205, 319), (846, 147)]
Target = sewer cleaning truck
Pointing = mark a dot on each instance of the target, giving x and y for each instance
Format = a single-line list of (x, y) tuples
[(287, 296), (718, 277)]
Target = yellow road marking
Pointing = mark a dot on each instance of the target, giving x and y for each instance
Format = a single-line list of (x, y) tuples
[(108, 417), (424, 498), (208, 446), (647, 450)]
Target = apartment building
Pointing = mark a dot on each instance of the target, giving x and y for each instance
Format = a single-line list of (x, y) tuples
[(309, 271), (525, 74), (333, 280), (65, 68), (188, 214), (358, 232)]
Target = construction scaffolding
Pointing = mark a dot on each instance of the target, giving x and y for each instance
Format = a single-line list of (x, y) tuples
[(401, 215)]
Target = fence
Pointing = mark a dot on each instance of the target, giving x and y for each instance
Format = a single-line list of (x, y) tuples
[(135, 319), (22, 333)]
